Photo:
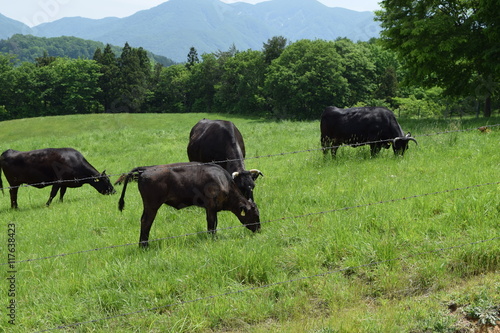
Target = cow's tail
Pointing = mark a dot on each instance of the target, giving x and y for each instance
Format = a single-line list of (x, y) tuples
[(120, 180), (125, 178), (121, 202)]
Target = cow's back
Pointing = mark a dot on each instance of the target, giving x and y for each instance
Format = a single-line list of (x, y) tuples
[(44, 165), (215, 140), (30, 166), (184, 184), (359, 124)]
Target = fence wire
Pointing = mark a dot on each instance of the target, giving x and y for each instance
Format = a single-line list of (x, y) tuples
[(62, 181), (264, 222), (269, 285)]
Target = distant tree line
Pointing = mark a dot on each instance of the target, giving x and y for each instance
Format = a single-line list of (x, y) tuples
[(283, 80), (28, 48)]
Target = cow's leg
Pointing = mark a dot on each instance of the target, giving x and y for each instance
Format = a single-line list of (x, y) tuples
[(324, 145), (62, 193), (147, 218), (53, 193), (211, 221), (375, 149), (328, 144), (334, 151), (13, 197)]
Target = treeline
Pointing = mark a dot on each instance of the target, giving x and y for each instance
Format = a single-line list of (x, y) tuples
[(283, 80)]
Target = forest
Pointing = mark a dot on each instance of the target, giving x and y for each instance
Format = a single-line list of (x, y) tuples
[(283, 80), (432, 68)]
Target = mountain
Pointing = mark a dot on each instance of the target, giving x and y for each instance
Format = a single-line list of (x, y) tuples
[(171, 28), (9, 27)]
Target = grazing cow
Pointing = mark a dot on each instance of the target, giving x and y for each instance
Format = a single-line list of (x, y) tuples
[(376, 126), (182, 185), (221, 142), (59, 167)]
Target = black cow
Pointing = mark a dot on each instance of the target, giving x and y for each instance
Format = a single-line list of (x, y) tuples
[(59, 167), (182, 185), (376, 126), (221, 142)]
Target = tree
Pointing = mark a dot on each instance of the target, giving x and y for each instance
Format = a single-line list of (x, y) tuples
[(192, 58), (108, 81), (305, 79), (388, 87), (388, 73), (359, 70), (273, 48), (170, 93), (25, 95), (222, 56), (448, 43), (134, 78), (6, 82), (240, 88), (44, 60), (78, 85)]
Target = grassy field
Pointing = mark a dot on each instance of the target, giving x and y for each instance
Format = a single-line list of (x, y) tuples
[(355, 244)]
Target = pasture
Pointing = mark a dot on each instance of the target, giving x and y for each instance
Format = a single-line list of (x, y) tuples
[(352, 244)]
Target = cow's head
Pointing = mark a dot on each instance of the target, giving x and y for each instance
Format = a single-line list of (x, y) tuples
[(248, 214), (245, 180), (400, 144), (102, 184)]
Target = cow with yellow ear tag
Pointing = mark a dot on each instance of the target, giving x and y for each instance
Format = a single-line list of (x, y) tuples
[(182, 185)]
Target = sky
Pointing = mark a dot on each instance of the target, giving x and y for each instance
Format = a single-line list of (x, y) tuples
[(34, 12)]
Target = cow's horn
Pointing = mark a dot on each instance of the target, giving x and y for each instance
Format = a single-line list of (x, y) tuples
[(256, 172), (235, 174), (409, 137)]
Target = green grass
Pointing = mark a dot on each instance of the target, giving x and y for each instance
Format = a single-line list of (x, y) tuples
[(380, 266)]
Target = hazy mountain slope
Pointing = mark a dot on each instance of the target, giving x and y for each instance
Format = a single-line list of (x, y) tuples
[(171, 28), (9, 27)]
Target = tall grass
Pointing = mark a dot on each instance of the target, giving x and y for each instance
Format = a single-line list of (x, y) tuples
[(362, 262)]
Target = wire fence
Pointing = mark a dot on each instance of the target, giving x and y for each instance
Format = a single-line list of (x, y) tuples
[(264, 222), (84, 179), (302, 216)]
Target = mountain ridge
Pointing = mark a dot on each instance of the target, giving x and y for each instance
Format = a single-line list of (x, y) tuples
[(171, 28)]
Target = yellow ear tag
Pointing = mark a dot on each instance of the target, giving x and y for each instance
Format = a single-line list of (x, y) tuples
[(242, 212)]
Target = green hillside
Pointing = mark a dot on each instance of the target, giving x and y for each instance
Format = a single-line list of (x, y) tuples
[(28, 48), (355, 244)]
